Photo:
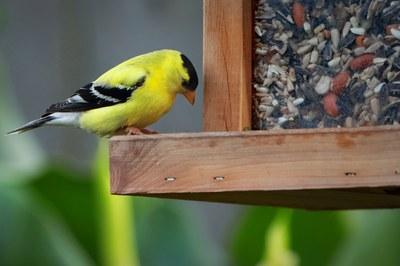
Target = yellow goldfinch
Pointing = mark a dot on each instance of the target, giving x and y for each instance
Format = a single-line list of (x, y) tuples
[(132, 95)]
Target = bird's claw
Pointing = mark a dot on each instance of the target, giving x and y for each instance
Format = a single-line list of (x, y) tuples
[(130, 131)]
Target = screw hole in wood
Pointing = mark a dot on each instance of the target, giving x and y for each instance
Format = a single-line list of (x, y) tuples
[(219, 178), (170, 178), (350, 174)]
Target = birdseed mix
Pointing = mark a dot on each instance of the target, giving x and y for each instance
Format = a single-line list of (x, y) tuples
[(322, 63)]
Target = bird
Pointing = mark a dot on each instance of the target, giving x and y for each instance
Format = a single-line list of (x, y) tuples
[(127, 98)]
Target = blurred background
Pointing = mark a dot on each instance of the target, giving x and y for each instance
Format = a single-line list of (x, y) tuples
[(54, 203)]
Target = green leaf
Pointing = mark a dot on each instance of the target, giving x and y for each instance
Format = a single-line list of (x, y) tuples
[(374, 239), (32, 235), (277, 241), (248, 242), (71, 195), (316, 236)]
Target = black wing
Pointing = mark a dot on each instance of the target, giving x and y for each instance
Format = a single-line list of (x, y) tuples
[(94, 96)]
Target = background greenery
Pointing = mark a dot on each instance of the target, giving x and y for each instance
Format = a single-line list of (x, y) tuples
[(55, 208)]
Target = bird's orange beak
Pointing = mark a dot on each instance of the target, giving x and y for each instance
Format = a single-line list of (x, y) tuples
[(190, 96)]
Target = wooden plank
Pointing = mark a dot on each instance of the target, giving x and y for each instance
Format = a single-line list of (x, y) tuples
[(314, 169), (227, 54)]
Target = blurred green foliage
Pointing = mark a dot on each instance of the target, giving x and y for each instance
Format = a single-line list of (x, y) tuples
[(62, 217), (35, 233), (59, 217), (277, 241), (336, 238)]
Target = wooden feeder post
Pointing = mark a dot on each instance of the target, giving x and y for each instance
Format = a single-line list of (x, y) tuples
[(227, 67), (313, 169)]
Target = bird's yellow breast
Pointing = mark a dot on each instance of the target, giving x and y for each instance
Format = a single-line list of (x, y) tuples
[(147, 106)]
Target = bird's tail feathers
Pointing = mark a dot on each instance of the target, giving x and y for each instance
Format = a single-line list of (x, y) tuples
[(31, 125), (54, 119)]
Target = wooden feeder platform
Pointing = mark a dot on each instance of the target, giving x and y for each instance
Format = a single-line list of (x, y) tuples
[(331, 169), (313, 169)]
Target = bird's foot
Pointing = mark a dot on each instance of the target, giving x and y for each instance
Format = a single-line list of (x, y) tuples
[(133, 131), (138, 131)]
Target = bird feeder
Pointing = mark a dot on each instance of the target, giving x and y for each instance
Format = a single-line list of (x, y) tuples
[(314, 168)]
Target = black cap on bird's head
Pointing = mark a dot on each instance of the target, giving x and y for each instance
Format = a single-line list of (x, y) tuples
[(190, 84)]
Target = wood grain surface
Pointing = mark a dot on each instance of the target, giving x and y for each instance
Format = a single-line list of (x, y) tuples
[(227, 64), (314, 169)]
